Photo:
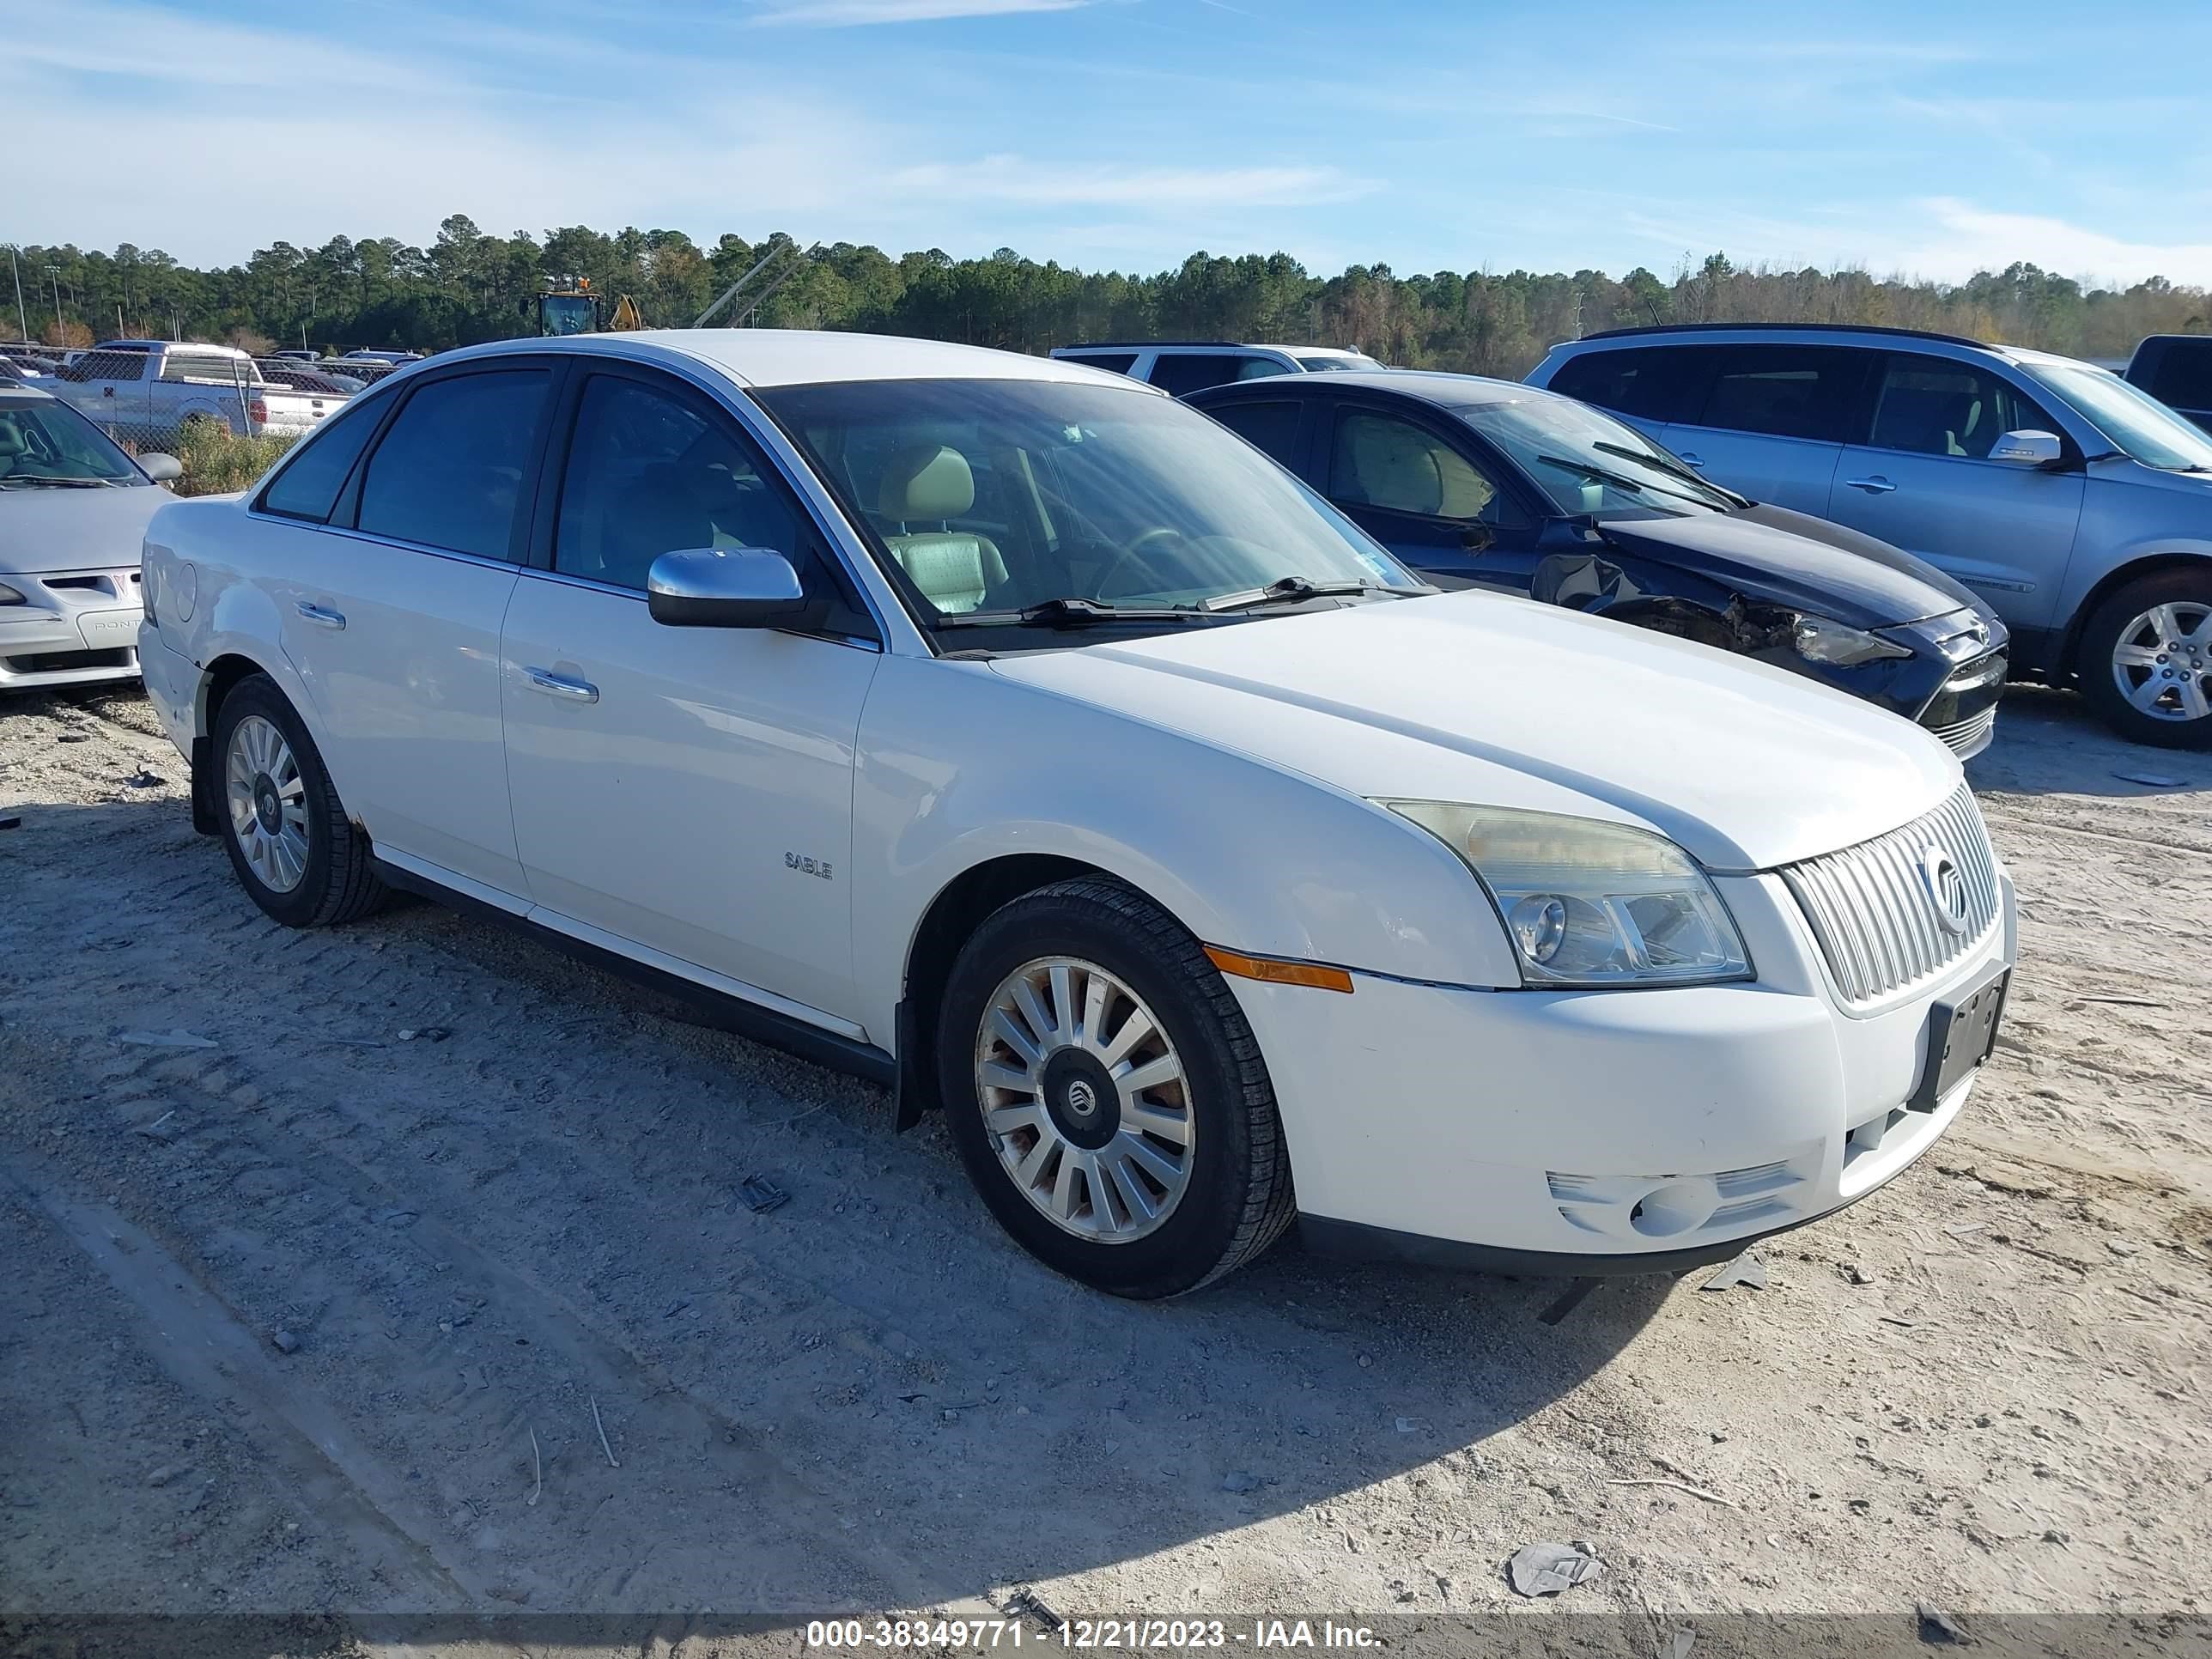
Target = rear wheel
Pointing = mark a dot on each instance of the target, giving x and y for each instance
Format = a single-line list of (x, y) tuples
[(2146, 659), (294, 850), (1107, 1095)]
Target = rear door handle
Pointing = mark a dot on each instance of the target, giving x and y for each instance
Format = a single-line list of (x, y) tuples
[(1877, 485), (561, 685), (322, 616)]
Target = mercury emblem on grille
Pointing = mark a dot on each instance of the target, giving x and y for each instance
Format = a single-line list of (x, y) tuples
[(1946, 888)]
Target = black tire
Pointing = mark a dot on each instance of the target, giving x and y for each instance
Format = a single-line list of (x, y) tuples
[(2190, 587), (339, 883), (1238, 1200)]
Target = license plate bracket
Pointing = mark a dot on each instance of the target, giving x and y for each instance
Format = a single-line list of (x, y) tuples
[(1961, 1033)]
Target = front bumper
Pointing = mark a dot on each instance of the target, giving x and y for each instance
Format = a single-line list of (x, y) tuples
[(1599, 1131), (74, 627)]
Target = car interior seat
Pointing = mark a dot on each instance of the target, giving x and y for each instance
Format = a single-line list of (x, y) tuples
[(1391, 468), (13, 450), (1964, 434), (931, 483)]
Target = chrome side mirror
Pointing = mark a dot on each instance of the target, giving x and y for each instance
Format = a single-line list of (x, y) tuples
[(715, 587), (2026, 448), (159, 467)]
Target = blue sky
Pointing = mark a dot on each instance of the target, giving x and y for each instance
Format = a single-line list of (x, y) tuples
[(1926, 139)]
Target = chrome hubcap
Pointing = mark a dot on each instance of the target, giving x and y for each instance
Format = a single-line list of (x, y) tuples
[(268, 804), (1085, 1099), (2163, 663)]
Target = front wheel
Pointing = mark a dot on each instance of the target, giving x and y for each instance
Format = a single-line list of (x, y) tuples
[(1107, 1095), (295, 851), (2146, 659)]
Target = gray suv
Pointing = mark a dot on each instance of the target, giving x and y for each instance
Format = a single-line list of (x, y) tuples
[(2080, 508)]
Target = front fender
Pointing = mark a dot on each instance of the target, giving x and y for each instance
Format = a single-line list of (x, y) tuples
[(959, 766)]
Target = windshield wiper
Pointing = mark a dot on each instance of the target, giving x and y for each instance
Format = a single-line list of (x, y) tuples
[(1291, 590), (1069, 612), (1671, 467), (49, 478)]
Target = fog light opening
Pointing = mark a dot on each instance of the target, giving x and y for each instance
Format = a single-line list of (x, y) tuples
[(1676, 1208)]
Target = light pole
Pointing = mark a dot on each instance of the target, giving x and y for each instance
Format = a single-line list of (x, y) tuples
[(61, 323)]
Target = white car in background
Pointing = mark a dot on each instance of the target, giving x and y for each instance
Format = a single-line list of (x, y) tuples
[(73, 512), (1180, 366), (1007, 732)]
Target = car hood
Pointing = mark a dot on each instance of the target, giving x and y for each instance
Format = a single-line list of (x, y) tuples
[(44, 531), (1770, 555), (1482, 698)]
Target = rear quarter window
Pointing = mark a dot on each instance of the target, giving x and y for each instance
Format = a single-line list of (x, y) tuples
[(1273, 427), (309, 486), (1653, 384)]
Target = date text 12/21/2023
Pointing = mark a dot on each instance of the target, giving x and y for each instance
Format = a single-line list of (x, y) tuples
[(1109, 1635)]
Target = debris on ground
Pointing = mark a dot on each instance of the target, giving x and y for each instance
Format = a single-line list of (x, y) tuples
[(1569, 1300), (145, 778), (166, 1473), (1238, 1481), (761, 1195), (283, 1342), (11, 820), (425, 1034), (1547, 1569), (1747, 1270), (1938, 1627), (177, 1039), (2154, 779)]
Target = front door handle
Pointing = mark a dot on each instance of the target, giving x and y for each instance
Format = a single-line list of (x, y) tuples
[(1877, 485), (1689, 460), (561, 685), (322, 616)]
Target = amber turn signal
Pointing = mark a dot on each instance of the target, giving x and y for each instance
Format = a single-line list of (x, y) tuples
[(1279, 973)]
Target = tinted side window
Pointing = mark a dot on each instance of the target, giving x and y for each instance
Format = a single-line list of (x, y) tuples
[(449, 471), (1784, 391), (2181, 374), (1119, 361), (1378, 460), (1653, 384), (1178, 371), (650, 474), (309, 486), (1271, 427), (1934, 406), (105, 365), (205, 366)]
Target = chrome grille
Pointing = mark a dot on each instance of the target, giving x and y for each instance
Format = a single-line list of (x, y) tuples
[(1873, 909), (1969, 737)]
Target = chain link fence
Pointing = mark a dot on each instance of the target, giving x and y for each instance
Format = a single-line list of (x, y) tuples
[(218, 412)]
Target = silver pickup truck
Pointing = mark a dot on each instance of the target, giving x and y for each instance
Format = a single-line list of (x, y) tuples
[(146, 391)]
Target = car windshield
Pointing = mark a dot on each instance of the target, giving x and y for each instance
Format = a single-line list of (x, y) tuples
[(2138, 425), (1330, 365), (1588, 462), (47, 443), (990, 496)]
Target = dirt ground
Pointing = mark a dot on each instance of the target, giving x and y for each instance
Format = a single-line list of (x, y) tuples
[(404, 1267)]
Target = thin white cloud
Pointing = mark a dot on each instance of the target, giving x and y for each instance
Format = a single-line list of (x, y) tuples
[(1013, 178), (854, 14), (1963, 239)]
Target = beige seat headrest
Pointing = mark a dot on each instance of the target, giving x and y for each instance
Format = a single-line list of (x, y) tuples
[(925, 482)]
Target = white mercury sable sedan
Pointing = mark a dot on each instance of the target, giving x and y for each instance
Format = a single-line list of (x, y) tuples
[(1002, 730)]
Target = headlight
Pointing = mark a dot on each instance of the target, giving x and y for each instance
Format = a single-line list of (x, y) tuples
[(1818, 639), (9, 596), (1590, 903)]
